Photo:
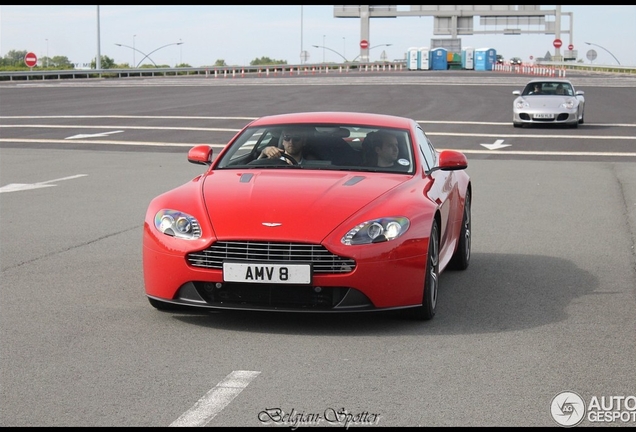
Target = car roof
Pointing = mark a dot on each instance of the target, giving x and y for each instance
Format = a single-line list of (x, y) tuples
[(335, 117), (547, 79)]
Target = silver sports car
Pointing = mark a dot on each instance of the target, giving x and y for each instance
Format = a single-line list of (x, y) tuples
[(548, 101)]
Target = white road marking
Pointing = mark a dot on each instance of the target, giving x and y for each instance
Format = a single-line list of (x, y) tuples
[(15, 187), (496, 145), (215, 400), (546, 153), (103, 134)]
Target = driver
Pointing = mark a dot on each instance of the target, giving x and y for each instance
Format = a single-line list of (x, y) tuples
[(294, 140)]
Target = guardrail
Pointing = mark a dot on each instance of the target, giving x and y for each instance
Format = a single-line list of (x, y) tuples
[(592, 67), (281, 70), (221, 71)]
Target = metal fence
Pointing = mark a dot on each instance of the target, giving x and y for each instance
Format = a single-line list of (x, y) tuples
[(260, 71)]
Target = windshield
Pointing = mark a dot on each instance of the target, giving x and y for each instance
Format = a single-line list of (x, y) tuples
[(321, 147), (548, 88)]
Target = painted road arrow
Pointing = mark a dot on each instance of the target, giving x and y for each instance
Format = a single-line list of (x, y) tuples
[(497, 145), (103, 134), (15, 187)]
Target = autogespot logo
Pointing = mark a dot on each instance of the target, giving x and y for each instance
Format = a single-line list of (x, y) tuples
[(567, 409)]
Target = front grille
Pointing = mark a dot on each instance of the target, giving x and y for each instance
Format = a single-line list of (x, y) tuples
[(250, 251)]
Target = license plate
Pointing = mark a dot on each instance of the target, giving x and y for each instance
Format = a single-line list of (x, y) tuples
[(545, 116), (267, 273)]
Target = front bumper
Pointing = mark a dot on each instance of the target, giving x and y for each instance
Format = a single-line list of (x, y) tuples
[(373, 284)]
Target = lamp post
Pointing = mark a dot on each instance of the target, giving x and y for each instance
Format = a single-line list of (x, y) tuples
[(180, 52), (605, 50), (148, 55), (136, 50), (344, 46), (133, 47), (324, 48), (47, 52), (375, 46)]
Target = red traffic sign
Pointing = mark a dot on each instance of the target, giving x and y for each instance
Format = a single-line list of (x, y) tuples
[(557, 43), (30, 59), (531, 57), (570, 47), (364, 44)]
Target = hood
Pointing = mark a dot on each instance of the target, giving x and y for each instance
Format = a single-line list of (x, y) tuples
[(548, 101), (288, 204)]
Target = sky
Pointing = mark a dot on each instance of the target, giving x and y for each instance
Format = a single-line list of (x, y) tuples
[(240, 34)]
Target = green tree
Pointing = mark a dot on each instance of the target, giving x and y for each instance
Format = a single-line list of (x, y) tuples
[(58, 62), (220, 62), (15, 58), (266, 61), (106, 63)]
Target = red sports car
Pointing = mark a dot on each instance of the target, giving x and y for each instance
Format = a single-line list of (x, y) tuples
[(312, 212)]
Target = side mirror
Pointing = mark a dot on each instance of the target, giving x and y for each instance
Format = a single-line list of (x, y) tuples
[(451, 160), (201, 155), (516, 93)]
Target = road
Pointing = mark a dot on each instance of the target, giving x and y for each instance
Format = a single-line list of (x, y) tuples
[(546, 306)]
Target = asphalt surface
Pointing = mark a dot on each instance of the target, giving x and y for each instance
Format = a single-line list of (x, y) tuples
[(546, 305)]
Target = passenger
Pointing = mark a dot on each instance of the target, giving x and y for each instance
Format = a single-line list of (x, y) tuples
[(384, 145), (560, 90), (294, 140)]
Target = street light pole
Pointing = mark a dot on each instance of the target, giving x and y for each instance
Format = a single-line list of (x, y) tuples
[(344, 46), (375, 46), (133, 47), (605, 50), (147, 56), (166, 45), (47, 52), (324, 47), (180, 53), (136, 50)]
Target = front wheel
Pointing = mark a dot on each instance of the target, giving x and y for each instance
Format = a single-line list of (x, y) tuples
[(461, 257), (431, 279)]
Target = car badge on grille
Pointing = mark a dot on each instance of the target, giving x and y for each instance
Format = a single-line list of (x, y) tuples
[(272, 224)]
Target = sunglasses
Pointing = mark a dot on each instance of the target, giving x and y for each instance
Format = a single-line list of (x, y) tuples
[(292, 139)]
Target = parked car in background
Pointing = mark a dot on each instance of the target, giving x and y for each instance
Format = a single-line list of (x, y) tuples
[(335, 231), (500, 59), (548, 101), (515, 61)]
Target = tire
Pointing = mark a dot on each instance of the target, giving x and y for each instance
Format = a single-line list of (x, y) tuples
[(461, 257), (582, 119), (431, 279)]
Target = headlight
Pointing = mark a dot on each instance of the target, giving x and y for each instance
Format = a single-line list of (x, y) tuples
[(521, 104), (569, 104), (377, 230), (177, 224)]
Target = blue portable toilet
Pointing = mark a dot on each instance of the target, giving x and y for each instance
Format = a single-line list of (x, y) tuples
[(485, 59), (438, 58), (412, 58), (424, 63), (468, 58)]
